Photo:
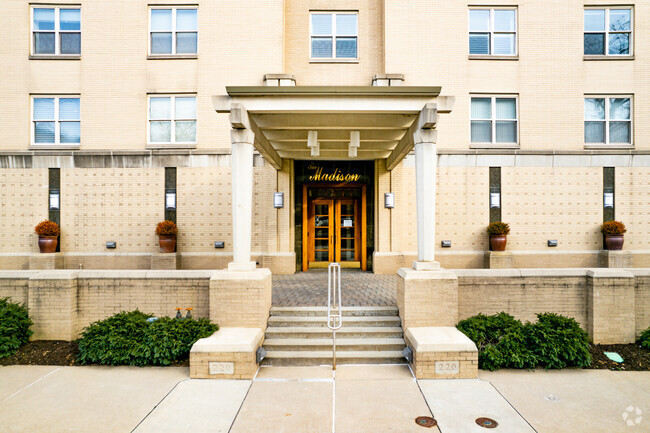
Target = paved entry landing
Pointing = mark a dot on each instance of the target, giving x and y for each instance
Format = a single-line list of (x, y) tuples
[(358, 288)]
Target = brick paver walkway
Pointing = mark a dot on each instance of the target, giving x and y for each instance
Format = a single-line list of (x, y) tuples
[(306, 289)]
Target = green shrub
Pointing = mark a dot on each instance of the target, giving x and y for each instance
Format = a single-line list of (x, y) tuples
[(644, 340), (14, 327), (130, 339), (500, 340), (504, 342), (558, 341)]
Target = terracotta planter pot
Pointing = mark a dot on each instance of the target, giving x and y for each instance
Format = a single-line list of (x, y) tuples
[(614, 242), (498, 242), (47, 244), (167, 243)]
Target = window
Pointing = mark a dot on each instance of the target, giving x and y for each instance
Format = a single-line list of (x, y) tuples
[(334, 36), (493, 32), (56, 120), (172, 119), (494, 119), (56, 31), (608, 31), (173, 31), (608, 120)]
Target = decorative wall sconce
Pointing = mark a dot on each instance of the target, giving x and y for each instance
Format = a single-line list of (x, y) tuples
[(445, 244), (495, 199), (278, 200), (608, 199), (111, 245), (219, 244), (389, 200), (170, 200), (552, 243), (55, 200)]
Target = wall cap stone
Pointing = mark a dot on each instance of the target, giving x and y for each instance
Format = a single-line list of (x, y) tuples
[(492, 273), (58, 274), (230, 340), (113, 274), (412, 274), (181, 274), (17, 275), (257, 274), (640, 272), (439, 339), (609, 273)]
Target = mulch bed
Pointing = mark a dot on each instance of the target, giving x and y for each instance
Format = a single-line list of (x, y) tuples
[(54, 352), (635, 357)]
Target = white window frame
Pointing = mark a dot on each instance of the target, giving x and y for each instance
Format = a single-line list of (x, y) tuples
[(334, 35), (174, 31), (492, 32), (607, 32), (57, 29), (172, 119), (607, 119), (56, 120), (493, 120)]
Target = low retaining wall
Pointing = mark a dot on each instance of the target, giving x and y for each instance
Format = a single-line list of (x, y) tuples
[(613, 305), (62, 302)]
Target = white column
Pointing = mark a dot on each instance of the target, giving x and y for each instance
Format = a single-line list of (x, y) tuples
[(425, 182), (242, 199)]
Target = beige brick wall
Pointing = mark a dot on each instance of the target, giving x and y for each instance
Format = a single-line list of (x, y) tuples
[(245, 366), (424, 365), (15, 285), (642, 302), (370, 45), (23, 204), (102, 297), (241, 299), (632, 205), (542, 203), (122, 205), (611, 308), (523, 297), (427, 300), (428, 42), (114, 75)]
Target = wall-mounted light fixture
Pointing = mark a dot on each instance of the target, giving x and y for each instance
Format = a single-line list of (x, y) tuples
[(111, 245), (552, 243), (608, 199), (278, 200), (170, 200), (55, 200), (445, 244), (219, 244), (389, 200), (495, 200)]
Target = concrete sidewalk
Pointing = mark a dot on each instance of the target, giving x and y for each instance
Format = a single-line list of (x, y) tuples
[(312, 399)]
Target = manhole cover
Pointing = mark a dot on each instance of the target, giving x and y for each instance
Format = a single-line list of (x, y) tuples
[(426, 421), (486, 422)]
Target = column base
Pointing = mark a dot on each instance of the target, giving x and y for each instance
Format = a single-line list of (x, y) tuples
[(242, 266), (426, 298), (615, 259), (498, 260), (241, 299), (165, 261), (426, 266), (46, 261)]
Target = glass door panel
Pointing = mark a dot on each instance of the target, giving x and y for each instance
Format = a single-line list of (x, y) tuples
[(320, 231), (347, 241)]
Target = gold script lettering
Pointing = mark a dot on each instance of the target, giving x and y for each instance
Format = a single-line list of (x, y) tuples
[(336, 176)]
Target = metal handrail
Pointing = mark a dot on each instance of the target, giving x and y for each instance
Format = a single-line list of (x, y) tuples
[(334, 319)]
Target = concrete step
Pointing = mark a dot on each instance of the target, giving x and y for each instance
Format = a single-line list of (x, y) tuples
[(315, 321), (322, 311), (285, 358), (324, 332), (342, 344)]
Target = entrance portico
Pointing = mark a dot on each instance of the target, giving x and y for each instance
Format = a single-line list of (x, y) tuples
[(333, 123)]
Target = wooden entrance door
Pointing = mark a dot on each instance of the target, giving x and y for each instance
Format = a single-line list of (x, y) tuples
[(334, 233)]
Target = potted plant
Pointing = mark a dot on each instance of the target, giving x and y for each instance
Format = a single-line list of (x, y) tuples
[(498, 232), (48, 234), (613, 231), (166, 231)]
